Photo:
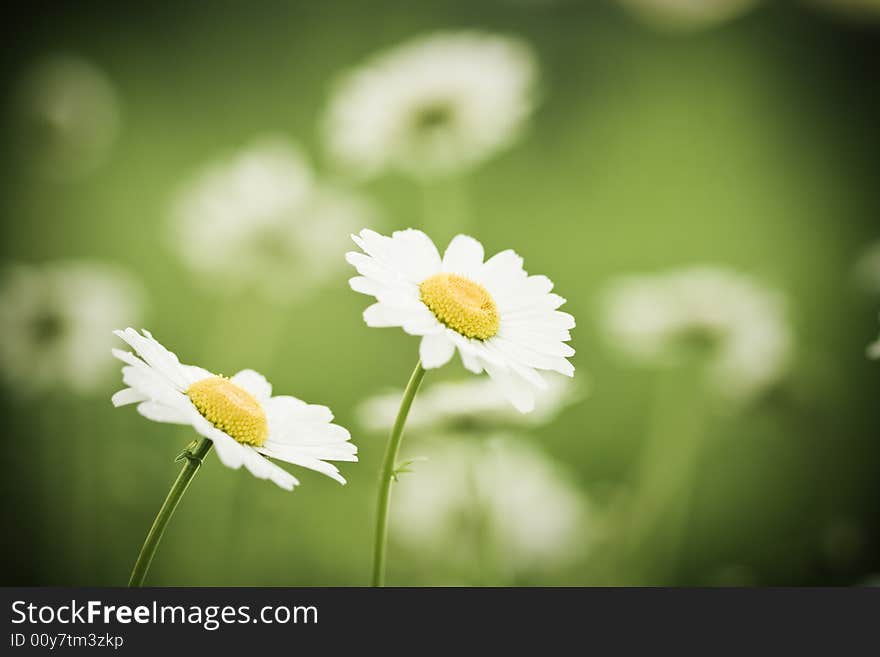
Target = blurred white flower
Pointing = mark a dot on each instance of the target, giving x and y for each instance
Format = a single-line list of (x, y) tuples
[(260, 220), (435, 104), (67, 116), (55, 320), (687, 15), (739, 325), (467, 403), (501, 499), (852, 9), (239, 415)]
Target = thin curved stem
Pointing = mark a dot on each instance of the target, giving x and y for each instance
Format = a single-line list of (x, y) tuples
[(389, 474), (194, 457)]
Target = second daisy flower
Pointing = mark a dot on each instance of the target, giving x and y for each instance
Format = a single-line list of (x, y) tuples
[(499, 319)]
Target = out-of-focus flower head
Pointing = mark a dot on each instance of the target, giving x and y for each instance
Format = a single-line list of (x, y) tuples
[(500, 498), (468, 404), (260, 220), (687, 15), (434, 105), (67, 117), (56, 321), (725, 316)]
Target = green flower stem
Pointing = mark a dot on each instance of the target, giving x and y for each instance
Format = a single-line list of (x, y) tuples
[(658, 515), (194, 457), (389, 474)]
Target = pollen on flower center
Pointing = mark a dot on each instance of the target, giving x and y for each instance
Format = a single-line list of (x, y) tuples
[(231, 409), (461, 304)]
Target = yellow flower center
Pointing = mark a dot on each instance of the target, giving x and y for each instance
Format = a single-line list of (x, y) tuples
[(231, 409), (461, 304)]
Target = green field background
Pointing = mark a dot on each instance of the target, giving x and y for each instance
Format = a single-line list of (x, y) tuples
[(754, 145)]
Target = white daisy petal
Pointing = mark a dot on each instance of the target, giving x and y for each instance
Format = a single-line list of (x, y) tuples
[(517, 391), (297, 423), (155, 355), (126, 357), (294, 455), (262, 468), (292, 410), (520, 353), (150, 383), (254, 382), (235, 455), (435, 350), (470, 361), (366, 285), (335, 452), (422, 322), (128, 396), (415, 254), (501, 268), (161, 413), (464, 255), (381, 315), (195, 374)]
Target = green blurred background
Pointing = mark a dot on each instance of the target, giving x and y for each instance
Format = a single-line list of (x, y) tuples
[(753, 144)]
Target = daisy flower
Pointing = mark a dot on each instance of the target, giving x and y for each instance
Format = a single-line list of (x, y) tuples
[(264, 209), (52, 317), (437, 104), (736, 324), (500, 320), (468, 403), (501, 498), (238, 415), (874, 349)]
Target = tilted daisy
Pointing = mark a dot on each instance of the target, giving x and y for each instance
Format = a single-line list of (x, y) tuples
[(499, 319), (434, 105), (239, 416)]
